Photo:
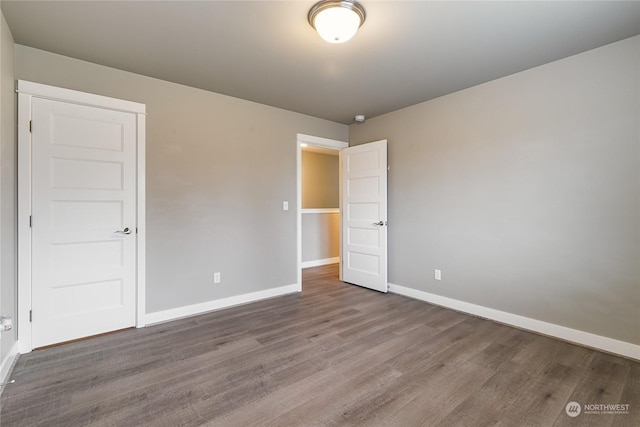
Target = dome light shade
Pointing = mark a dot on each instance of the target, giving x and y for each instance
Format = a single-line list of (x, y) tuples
[(336, 21)]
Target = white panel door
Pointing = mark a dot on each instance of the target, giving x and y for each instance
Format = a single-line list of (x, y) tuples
[(364, 215), (83, 221)]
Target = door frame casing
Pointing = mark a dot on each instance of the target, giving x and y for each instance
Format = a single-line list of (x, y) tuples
[(26, 92), (317, 142)]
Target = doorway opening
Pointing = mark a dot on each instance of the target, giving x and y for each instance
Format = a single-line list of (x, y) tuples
[(318, 207)]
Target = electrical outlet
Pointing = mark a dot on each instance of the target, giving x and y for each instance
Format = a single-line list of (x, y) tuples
[(216, 278), (438, 274), (285, 205)]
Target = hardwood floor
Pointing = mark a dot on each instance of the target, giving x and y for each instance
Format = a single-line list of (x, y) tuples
[(335, 354)]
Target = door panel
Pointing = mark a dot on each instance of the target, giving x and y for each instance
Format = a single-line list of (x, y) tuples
[(364, 215), (96, 175), (83, 198)]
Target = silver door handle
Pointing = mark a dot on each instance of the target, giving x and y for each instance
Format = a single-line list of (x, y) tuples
[(126, 230), (380, 223)]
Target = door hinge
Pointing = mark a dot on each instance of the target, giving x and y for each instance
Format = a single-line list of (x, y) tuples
[(30, 316), (30, 126), (30, 221)]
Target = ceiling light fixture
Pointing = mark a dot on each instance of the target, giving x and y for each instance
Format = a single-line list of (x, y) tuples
[(336, 21)]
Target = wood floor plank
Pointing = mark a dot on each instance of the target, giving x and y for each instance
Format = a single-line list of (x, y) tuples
[(541, 400), (631, 397), (301, 397), (334, 354), (602, 383), (487, 405), (444, 387)]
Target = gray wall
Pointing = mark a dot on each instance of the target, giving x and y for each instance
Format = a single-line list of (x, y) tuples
[(320, 180), (525, 191), (320, 236), (218, 169), (8, 186)]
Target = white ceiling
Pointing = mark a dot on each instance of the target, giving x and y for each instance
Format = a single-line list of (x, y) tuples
[(265, 51)]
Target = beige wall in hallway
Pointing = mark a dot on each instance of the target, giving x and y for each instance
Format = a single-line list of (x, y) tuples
[(320, 180)]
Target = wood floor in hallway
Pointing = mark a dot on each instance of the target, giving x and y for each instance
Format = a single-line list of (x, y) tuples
[(335, 354)]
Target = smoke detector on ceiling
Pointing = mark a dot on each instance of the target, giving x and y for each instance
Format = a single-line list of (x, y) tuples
[(360, 118)]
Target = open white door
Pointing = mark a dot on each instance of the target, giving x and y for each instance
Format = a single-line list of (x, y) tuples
[(364, 215)]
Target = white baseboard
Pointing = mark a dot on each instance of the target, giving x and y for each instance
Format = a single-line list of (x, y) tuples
[(319, 262), (7, 365), (195, 309), (567, 334)]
